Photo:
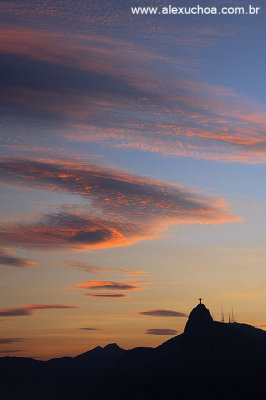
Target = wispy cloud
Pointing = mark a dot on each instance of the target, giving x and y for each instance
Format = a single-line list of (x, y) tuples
[(30, 309), (140, 110), (11, 340), (98, 270), (130, 272), (162, 313), (86, 267), (161, 331), (10, 351), (9, 259), (92, 97), (121, 210), (108, 295)]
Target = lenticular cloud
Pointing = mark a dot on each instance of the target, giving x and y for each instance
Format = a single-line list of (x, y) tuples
[(121, 208)]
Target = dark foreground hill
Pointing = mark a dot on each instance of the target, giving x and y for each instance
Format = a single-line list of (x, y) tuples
[(210, 360)]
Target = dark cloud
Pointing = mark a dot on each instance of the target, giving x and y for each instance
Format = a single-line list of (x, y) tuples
[(162, 313), (94, 237), (108, 295), (89, 329), (125, 208), (155, 331), (29, 309), (40, 75), (13, 261), (103, 285), (15, 312), (11, 340), (50, 90)]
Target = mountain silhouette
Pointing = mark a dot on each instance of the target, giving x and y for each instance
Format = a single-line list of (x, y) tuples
[(199, 320), (210, 360)]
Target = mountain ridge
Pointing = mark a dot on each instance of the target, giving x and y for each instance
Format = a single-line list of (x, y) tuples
[(194, 364)]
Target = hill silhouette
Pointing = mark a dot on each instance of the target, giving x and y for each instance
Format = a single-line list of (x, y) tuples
[(210, 360)]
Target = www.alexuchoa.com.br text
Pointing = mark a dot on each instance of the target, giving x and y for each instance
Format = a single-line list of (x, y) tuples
[(196, 10)]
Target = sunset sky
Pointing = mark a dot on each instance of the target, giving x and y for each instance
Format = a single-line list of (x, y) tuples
[(132, 172)]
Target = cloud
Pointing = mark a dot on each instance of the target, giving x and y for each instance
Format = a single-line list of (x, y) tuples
[(96, 270), (97, 52), (81, 84), (110, 190), (107, 15), (10, 351), (29, 309), (63, 81), (94, 19), (86, 267), (15, 312), (7, 258), (108, 295), (130, 272), (103, 285), (72, 231), (45, 69), (162, 313), (11, 340), (155, 331), (89, 329), (121, 208), (97, 99)]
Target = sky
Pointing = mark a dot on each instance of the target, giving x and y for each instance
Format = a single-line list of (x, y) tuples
[(132, 172)]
